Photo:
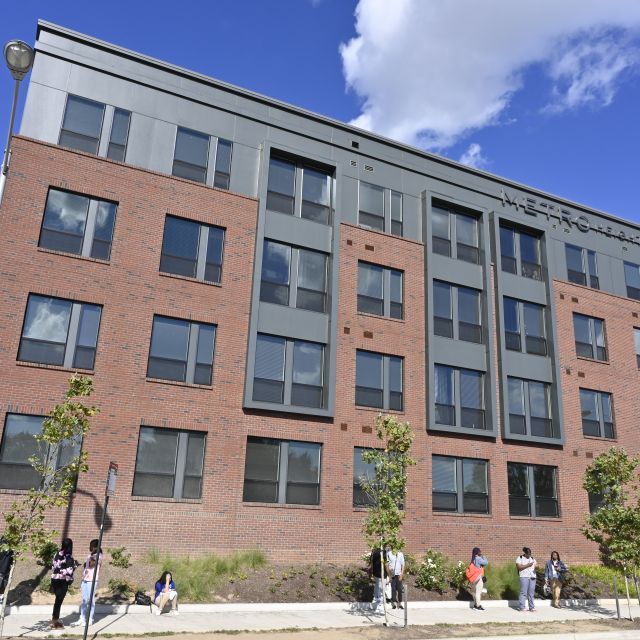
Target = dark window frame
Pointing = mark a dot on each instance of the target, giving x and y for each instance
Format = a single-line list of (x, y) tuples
[(69, 133), (359, 498), (390, 222), (586, 276), (456, 417), (391, 400), (459, 330), (451, 247), (530, 423), (515, 264), (459, 494), (390, 308), (530, 344), (530, 499), (598, 353), (632, 292), (636, 341), (117, 150), (599, 428)]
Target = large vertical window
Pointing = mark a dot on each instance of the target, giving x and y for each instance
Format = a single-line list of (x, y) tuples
[(379, 381), (311, 201), (371, 210), (582, 267), (191, 155), (222, 173), (60, 332), (455, 234), (533, 490), (520, 253), (380, 290), (469, 323), (529, 316), (457, 312), (361, 471), (292, 276), (632, 280), (597, 414), (281, 471), (19, 444), (530, 408), (589, 337), (459, 397), (298, 381), (181, 351), (396, 213), (82, 124), (169, 464), (119, 135), (459, 485), (77, 224)]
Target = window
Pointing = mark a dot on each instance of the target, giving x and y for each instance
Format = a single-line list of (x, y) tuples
[(181, 351), (380, 209), (379, 380), (455, 234), (82, 124), (459, 396), (595, 501), (280, 471), (361, 469), (396, 213), (459, 485), (456, 312), (520, 253), (636, 339), (222, 173), (632, 279), (119, 135), (280, 285), (169, 464), (77, 224), (529, 408), (19, 444), (582, 267), (590, 338), (532, 490), (531, 316), (192, 249), (191, 155), (298, 383), (597, 414), (60, 332), (312, 201), (380, 290)]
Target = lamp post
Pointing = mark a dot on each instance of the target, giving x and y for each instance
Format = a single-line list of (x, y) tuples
[(18, 56)]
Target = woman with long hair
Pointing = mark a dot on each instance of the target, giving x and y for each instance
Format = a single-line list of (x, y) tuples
[(61, 577), (478, 560), (554, 572), (165, 593)]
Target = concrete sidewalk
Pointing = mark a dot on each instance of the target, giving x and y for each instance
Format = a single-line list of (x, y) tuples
[(32, 621)]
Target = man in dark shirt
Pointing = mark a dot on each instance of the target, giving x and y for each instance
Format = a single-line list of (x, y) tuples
[(377, 573)]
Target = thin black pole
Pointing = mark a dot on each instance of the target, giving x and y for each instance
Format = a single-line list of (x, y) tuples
[(615, 593)]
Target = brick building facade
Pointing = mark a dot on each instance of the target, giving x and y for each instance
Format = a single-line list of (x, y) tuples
[(249, 285)]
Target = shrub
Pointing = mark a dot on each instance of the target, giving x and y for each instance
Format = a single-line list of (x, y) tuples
[(432, 572), (503, 581), (122, 588), (44, 554), (45, 584), (457, 574), (120, 557), (604, 574)]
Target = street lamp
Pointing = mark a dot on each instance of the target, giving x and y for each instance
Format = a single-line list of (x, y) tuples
[(19, 58)]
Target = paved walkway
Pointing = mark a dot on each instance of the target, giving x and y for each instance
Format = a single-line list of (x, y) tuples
[(32, 621)]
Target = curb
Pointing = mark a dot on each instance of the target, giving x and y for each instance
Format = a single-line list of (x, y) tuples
[(587, 635)]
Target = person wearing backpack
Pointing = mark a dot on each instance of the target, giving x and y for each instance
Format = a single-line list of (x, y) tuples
[(62, 570), (475, 575), (526, 566)]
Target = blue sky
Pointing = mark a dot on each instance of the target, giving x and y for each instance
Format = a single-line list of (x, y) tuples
[(542, 92)]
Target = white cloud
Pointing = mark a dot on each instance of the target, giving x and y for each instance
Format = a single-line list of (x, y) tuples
[(473, 157), (430, 72)]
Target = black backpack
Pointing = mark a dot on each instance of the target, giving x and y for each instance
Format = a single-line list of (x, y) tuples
[(142, 598)]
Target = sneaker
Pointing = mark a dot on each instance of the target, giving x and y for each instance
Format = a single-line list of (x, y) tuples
[(157, 610), (393, 605), (532, 610), (174, 612), (400, 606), (522, 610), (479, 607), (78, 623)]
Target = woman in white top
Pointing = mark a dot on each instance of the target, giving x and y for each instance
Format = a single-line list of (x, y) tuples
[(526, 565)]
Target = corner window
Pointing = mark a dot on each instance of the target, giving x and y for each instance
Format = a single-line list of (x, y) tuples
[(597, 414), (281, 471), (455, 234), (19, 444), (169, 464), (379, 381), (299, 190), (297, 380), (457, 312), (459, 485), (361, 470), (582, 266), (60, 332), (82, 124), (380, 209), (520, 253), (529, 316), (181, 351), (380, 290), (192, 249), (459, 397), (533, 490), (530, 408), (77, 224), (632, 280), (293, 277), (590, 337), (119, 135)]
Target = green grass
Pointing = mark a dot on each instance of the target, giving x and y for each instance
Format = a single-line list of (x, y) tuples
[(503, 581), (197, 578), (604, 574)]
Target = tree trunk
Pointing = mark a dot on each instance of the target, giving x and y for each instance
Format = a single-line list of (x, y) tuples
[(6, 595), (384, 594), (626, 584)]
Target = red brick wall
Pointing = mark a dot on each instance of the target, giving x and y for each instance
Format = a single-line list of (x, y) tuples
[(132, 290)]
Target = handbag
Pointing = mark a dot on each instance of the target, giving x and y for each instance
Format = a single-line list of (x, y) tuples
[(142, 598), (473, 573)]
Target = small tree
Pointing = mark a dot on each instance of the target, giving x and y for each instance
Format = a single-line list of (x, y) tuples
[(66, 425), (387, 487)]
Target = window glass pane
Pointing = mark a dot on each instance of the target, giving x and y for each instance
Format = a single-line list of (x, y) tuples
[(64, 221), (538, 400), (632, 275), (275, 262), (263, 459), (307, 363), (440, 223), (591, 260), (103, 233), (368, 370), (598, 326), (516, 396), (442, 299), (214, 246), (372, 199), (206, 340), (468, 305), (120, 127), (581, 328), (574, 258), (511, 320), (282, 177), (180, 246), (361, 470), (395, 374), (315, 187), (518, 479), (544, 480), (270, 358), (471, 392), (589, 405), (533, 320), (507, 242), (443, 474), (529, 248), (83, 116), (170, 339), (370, 278), (444, 385), (223, 156), (466, 230), (636, 338), (396, 206), (304, 462), (157, 450), (312, 270), (396, 286), (195, 454), (47, 319), (607, 413), (192, 147), (474, 476), (89, 325), (18, 441)]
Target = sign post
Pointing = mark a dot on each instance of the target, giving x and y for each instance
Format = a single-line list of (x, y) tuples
[(110, 490)]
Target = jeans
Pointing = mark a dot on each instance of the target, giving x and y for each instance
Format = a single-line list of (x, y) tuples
[(527, 591), (396, 589), (378, 592), (85, 588), (477, 592), (59, 588)]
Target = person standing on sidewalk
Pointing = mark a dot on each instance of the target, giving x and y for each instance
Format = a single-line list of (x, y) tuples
[(376, 567), (395, 569), (62, 570), (526, 565), (554, 572), (91, 564), (480, 562)]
